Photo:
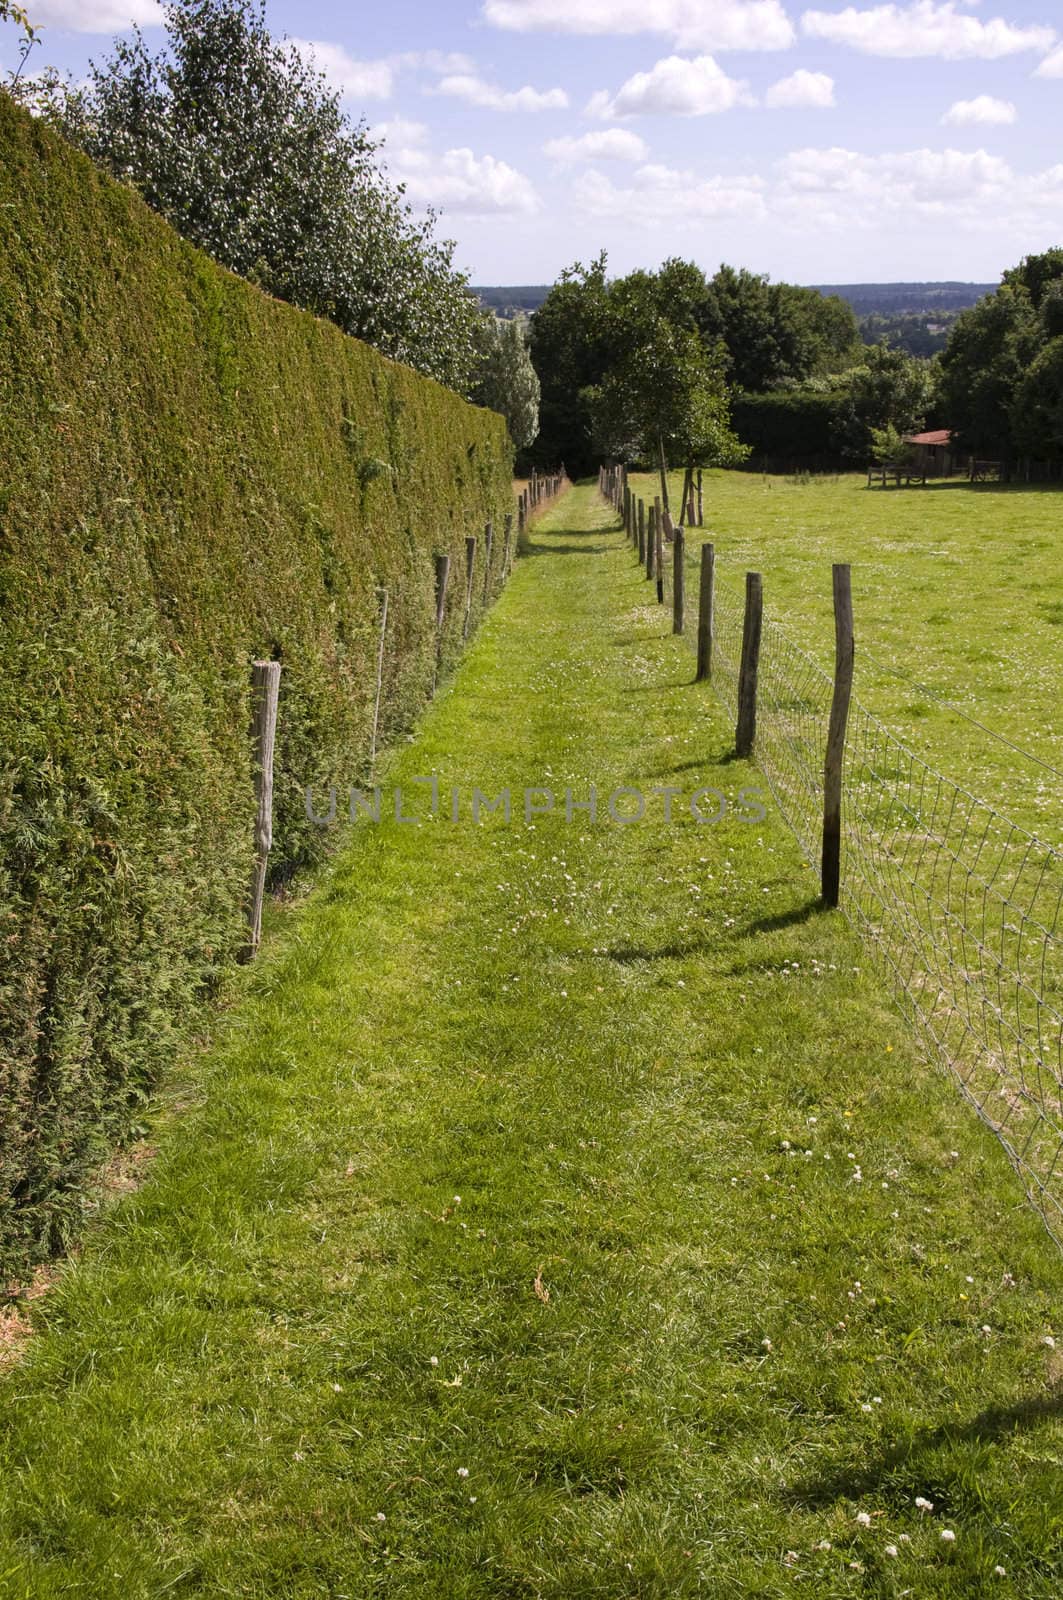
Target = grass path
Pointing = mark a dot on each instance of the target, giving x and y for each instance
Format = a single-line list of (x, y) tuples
[(730, 1269)]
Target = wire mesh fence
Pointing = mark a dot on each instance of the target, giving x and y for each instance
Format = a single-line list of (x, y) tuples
[(961, 907)]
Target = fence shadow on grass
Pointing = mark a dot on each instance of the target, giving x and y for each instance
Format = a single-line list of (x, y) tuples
[(914, 1455)]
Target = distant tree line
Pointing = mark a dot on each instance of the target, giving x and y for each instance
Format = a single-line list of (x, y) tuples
[(789, 375)]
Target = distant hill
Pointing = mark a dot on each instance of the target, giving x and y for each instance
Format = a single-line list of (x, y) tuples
[(866, 299), (907, 299)]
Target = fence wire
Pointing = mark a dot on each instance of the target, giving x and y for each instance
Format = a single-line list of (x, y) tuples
[(961, 907)]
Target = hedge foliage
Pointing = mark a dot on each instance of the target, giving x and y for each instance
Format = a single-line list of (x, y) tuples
[(191, 475), (791, 424)]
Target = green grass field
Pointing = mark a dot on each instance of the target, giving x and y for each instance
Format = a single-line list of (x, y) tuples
[(956, 587), (563, 1213)]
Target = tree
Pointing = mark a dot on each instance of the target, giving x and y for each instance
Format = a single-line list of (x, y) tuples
[(998, 369), (505, 379), (665, 401), (891, 390), (569, 344), (1037, 408), (776, 332), (238, 141)]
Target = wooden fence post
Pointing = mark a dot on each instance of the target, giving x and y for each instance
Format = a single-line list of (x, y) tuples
[(658, 560), (265, 693), (489, 539), (701, 503), (470, 563), (830, 876), (442, 574), (642, 531), (507, 552), (678, 581), (651, 539), (746, 730), (379, 673), (706, 600)]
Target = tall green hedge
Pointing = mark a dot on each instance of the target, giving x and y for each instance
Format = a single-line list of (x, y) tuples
[(791, 425), (191, 475)]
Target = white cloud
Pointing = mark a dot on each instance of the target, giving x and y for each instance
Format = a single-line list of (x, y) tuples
[(435, 61), (925, 28), (692, 24), (95, 16), (664, 194), (984, 108), (457, 180), (676, 86), (354, 80), (467, 86), (800, 89), (1051, 66), (610, 144)]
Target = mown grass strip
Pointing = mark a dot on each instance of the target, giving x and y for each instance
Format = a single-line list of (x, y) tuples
[(566, 1212)]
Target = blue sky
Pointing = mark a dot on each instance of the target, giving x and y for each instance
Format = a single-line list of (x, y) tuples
[(918, 139)]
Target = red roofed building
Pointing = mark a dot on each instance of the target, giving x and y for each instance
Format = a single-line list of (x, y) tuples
[(933, 453)]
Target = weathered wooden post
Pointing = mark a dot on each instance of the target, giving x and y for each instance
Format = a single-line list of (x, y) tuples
[(642, 531), (701, 503), (651, 539), (746, 730), (658, 560), (470, 563), (830, 875), (489, 539), (706, 600), (507, 550), (678, 581), (379, 672), (265, 695)]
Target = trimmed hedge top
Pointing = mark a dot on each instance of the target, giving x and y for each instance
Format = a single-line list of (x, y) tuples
[(191, 475)]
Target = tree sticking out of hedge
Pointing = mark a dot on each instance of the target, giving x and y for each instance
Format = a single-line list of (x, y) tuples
[(237, 140), (192, 475)]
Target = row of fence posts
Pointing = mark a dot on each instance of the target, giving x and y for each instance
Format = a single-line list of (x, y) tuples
[(542, 488), (649, 528)]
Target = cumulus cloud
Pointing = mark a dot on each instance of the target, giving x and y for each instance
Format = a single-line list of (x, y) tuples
[(611, 144), (675, 86), (95, 16), (1051, 66), (692, 24), (666, 194), (456, 180), (474, 89), (983, 108), (801, 89), (354, 80), (925, 28)]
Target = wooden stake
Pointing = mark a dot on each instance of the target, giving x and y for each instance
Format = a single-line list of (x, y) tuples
[(470, 563), (642, 530), (658, 559), (489, 539), (379, 673), (651, 539), (830, 876), (701, 503), (678, 581), (706, 600), (265, 695), (746, 730)]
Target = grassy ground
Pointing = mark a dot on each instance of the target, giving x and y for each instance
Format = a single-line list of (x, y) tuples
[(957, 587), (564, 1212)]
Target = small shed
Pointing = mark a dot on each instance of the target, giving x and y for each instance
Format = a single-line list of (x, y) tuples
[(932, 453)]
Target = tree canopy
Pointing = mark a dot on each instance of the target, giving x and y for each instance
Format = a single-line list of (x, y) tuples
[(505, 379), (239, 142), (1002, 369), (752, 334)]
